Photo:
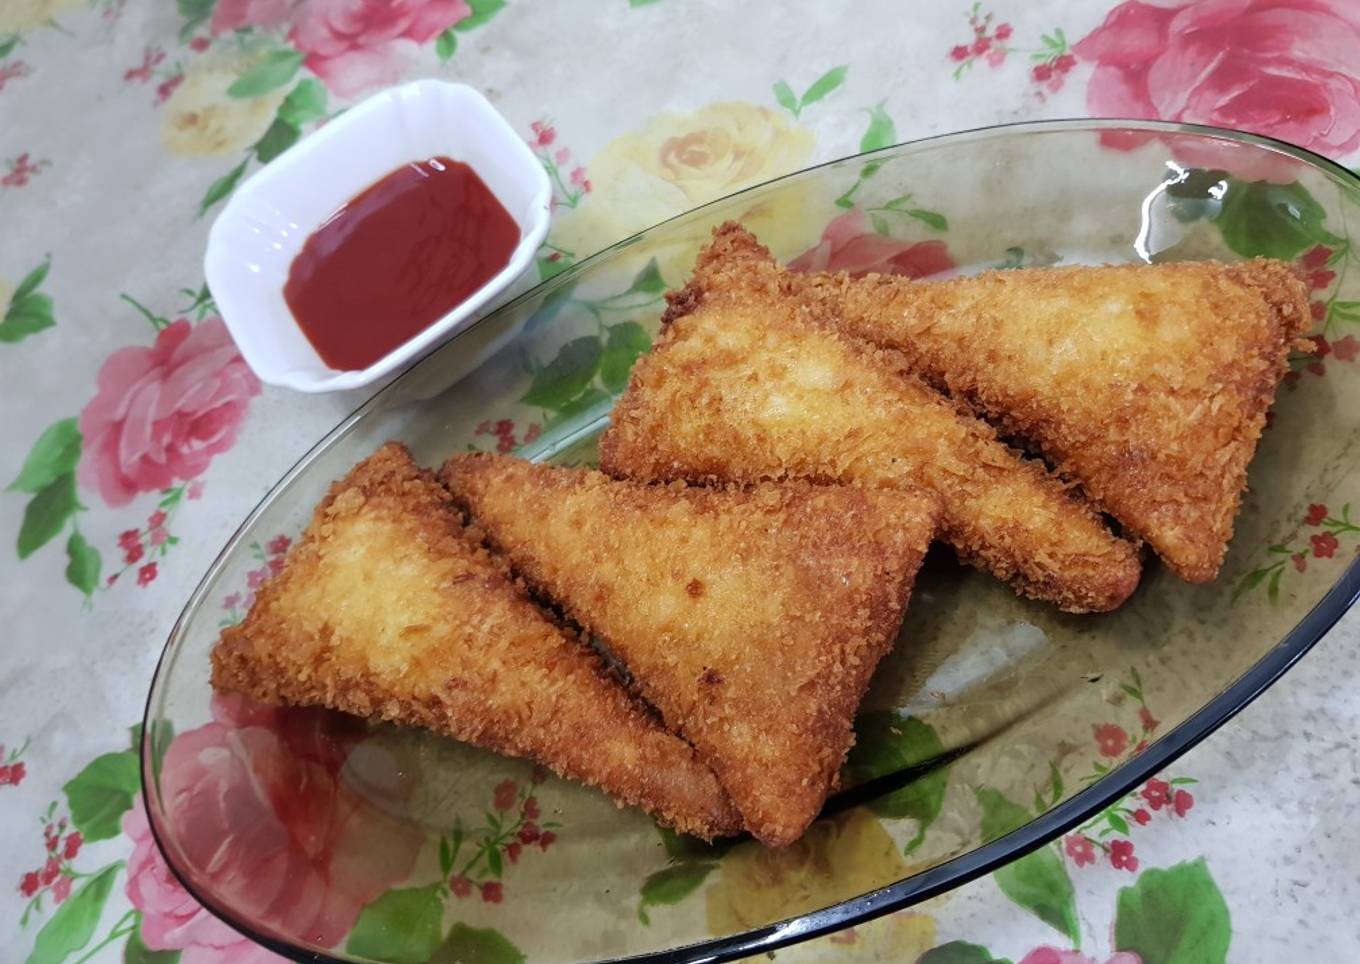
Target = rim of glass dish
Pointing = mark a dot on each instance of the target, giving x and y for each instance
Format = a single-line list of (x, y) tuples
[(956, 871)]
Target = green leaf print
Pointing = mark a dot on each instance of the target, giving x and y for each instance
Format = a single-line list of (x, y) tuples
[(552, 305), (401, 926), (818, 90), (551, 267), (680, 847), (82, 564), (567, 375), (31, 281), (1000, 815), (1271, 220), (1038, 881), (482, 11), (162, 732), (304, 104), (476, 945), (648, 280), (194, 13), (72, 926), (624, 344), (886, 742), (136, 952), (824, 85), (280, 136), (29, 310), (581, 404), (26, 317), (101, 793), (672, 885), (1174, 916), (446, 45), (882, 132), (932, 218), (960, 952), (221, 187), (54, 454), (272, 71), (46, 514)]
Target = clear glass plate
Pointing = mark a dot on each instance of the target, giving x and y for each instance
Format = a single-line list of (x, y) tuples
[(994, 726)]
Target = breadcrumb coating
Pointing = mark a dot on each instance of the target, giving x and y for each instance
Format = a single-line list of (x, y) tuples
[(1147, 384), (752, 619), (388, 608), (750, 381)]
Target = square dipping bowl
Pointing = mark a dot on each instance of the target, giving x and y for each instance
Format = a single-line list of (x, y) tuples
[(253, 241)]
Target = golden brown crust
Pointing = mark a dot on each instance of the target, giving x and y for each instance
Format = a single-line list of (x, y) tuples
[(1146, 384), (751, 381), (752, 619), (387, 608)]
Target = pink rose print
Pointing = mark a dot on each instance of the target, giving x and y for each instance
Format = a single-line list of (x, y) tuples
[(505, 794), (152, 57), (1147, 720), (1316, 513), (161, 413), (13, 770), (1316, 257), (1051, 955), (1284, 68), (1121, 855), (1110, 738), (356, 45), (848, 244), (13, 71), (263, 819), (1080, 849), (1157, 793), (61, 889), (504, 432), (1324, 545), (21, 170), (231, 15), (171, 919)]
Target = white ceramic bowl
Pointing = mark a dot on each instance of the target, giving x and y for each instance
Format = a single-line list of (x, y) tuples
[(264, 225)]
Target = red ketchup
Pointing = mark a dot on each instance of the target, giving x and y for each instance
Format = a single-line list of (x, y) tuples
[(395, 259)]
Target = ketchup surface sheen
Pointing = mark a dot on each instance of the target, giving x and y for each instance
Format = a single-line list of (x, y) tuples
[(397, 258)]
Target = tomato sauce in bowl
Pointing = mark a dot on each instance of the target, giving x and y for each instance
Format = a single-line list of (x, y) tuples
[(396, 258)]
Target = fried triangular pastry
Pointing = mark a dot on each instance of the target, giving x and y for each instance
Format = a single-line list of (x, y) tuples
[(751, 381), (752, 619), (1147, 384), (389, 608)]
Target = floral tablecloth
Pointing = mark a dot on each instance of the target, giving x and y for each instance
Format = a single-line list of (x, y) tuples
[(135, 437)]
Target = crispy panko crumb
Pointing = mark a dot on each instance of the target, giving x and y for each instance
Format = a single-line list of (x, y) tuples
[(750, 380), (388, 608), (752, 619), (1146, 384)]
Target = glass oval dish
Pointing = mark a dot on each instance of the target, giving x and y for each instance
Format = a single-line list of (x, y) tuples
[(994, 726)]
